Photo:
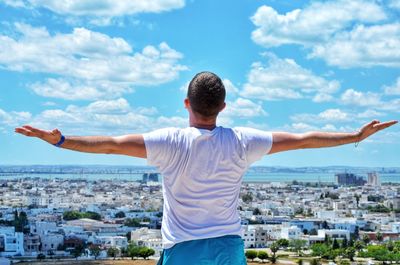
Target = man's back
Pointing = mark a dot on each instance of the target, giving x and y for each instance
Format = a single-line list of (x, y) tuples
[(202, 173)]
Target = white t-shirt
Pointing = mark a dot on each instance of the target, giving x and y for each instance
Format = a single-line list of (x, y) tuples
[(202, 174)]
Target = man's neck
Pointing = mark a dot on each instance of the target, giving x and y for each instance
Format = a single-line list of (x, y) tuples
[(197, 122), (203, 126)]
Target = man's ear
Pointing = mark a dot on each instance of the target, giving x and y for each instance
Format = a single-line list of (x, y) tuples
[(223, 107), (187, 103)]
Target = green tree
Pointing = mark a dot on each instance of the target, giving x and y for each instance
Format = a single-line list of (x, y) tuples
[(77, 251), (113, 252), (145, 252), (274, 248), (133, 250), (390, 245), (351, 243), (379, 236), (71, 215), (359, 245), (297, 245), (246, 198), (74, 215), (357, 197), (256, 211), (92, 215), (284, 243), (366, 239), (335, 244), (350, 253), (132, 222), (20, 221), (251, 254), (344, 243), (95, 251), (262, 255), (356, 233), (120, 214), (319, 249)]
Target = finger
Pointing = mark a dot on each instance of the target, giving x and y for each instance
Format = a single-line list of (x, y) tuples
[(24, 131), (56, 131), (374, 122), (35, 131), (384, 125)]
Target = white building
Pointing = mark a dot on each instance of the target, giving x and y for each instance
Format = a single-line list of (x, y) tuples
[(43, 228), (396, 227), (31, 244), (339, 205), (11, 242), (75, 231), (334, 233), (373, 179), (51, 241), (150, 238), (259, 236), (110, 241), (291, 232), (326, 215)]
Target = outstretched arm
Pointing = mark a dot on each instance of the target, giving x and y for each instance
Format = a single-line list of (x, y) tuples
[(283, 141), (131, 145)]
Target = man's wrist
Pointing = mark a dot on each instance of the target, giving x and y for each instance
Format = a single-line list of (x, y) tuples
[(60, 142), (357, 138)]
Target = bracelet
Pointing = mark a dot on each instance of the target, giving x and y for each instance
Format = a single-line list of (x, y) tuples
[(60, 142), (356, 143)]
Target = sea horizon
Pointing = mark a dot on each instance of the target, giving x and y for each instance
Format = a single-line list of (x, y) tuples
[(256, 174)]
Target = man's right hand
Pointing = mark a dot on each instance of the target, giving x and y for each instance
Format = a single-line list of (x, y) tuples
[(51, 137), (131, 144)]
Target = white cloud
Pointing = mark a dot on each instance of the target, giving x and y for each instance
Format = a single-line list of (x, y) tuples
[(101, 65), (99, 12), (80, 90), (343, 33), (362, 47), (358, 98), (285, 79), (370, 113), (302, 127), (329, 115), (393, 89), (106, 117), (243, 108), (230, 88), (14, 118), (317, 22)]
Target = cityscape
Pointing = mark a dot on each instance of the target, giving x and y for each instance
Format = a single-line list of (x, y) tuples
[(86, 219)]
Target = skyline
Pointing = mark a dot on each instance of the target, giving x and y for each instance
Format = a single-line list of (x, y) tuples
[(123, 68)]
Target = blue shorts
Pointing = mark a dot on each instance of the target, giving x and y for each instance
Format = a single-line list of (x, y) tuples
[(224, 250)]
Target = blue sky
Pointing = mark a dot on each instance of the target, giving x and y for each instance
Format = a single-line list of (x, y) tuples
[(120, 67)]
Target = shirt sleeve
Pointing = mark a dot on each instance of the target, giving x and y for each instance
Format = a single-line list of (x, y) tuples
[(159, 146), (256, 143)]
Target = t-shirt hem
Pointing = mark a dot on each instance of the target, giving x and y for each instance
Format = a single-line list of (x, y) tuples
[(167, 246)]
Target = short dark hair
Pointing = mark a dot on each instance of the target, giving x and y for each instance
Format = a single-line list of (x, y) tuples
[(206, 94)]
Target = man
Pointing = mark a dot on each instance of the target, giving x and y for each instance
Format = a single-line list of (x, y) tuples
[(202, 168)]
